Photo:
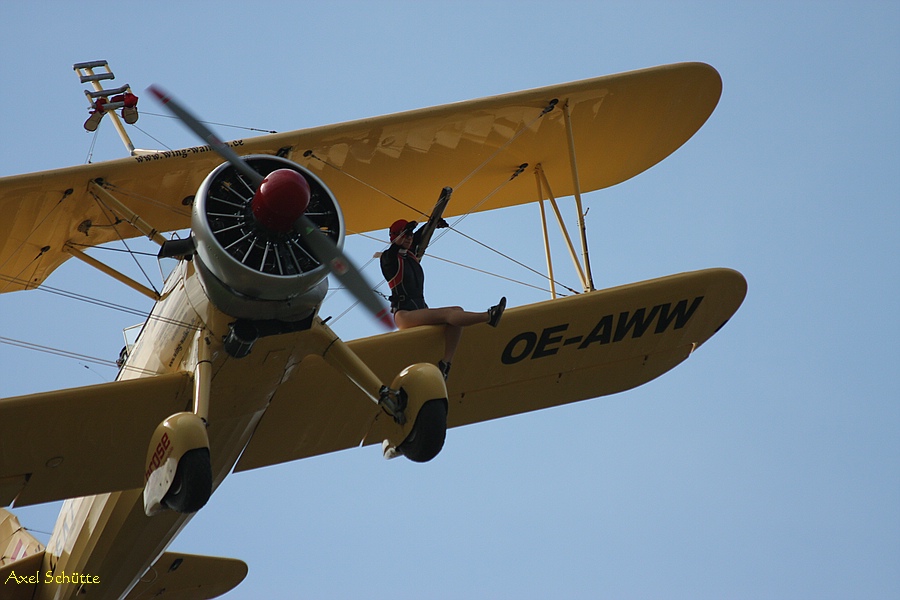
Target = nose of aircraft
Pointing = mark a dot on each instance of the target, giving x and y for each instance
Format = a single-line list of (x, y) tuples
[(281, 199)]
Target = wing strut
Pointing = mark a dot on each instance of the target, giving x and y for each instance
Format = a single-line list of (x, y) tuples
[(543, 184), (131, 217), (104, 268), (120, 211), (587, 278), (538, 172)]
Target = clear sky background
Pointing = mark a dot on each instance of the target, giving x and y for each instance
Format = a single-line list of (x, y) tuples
[(766, 466)]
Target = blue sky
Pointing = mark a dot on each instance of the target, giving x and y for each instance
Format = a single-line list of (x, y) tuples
[(768, 465)]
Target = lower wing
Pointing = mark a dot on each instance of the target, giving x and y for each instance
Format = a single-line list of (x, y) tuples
[(541, 355)]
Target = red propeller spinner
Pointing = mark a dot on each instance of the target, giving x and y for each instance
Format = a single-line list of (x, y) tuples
[(281, 199)]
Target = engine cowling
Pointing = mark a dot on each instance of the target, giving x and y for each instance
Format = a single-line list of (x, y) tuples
[(249, 266)]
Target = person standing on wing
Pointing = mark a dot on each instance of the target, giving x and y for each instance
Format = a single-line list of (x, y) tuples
[(400, 267)]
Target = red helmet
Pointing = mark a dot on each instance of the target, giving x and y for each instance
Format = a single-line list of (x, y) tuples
[(401, 225)]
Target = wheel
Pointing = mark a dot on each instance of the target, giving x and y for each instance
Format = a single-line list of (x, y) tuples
[(192, 486), (427, 436)]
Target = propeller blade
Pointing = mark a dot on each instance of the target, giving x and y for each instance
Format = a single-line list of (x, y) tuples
[(194, 124), (329, 255), (324, 250)]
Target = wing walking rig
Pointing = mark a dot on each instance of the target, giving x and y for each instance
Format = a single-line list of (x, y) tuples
[(234, 369), (107, 101)]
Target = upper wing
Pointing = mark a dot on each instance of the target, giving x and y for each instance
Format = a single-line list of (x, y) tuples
[(542, 355), (622, 125), (83, 441)]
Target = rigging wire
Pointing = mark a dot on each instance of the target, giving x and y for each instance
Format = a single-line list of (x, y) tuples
[(97, 302), (519, 170), (470, 267), (111, 187), (115, 221), (26, 283), (108, 249), (550, 106), (101, 303), (212, 123), (311, 154), (90, 155), (511, 259), (58, 352), (103, 362), (497, 275), (155, 139), (454, 228)]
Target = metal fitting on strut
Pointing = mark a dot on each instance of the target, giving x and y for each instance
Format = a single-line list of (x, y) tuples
[(394, 403)]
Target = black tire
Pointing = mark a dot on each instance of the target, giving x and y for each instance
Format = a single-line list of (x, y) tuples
[(193, 482), (427, 436)]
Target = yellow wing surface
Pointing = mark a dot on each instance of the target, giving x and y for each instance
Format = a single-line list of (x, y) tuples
[(83, 441), (541, 355), (176, 576), (92, 440), (384, 167)]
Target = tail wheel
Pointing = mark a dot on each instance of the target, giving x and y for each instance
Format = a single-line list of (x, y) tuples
[(192, 486), (428, 433)]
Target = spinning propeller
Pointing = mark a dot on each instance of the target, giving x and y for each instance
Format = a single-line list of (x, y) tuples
[(279, 204)]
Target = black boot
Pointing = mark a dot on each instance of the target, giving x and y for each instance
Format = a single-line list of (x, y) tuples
[(496, 311)]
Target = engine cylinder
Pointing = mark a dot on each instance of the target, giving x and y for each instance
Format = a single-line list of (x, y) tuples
[(252, 271)]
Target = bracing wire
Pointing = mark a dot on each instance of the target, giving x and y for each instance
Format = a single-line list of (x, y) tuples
[(454, 227), (115, 220), (158, 141), (103, 362), (509, 258), (213, 123), (311, 154), (57, 352), (497, 275), (90, 156), (26, 284), (125, 250), (184, 212), (550, 106), (97, 302)]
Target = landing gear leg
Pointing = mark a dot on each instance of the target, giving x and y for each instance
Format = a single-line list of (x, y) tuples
[(178, 472), (345, 360), (416, 400)]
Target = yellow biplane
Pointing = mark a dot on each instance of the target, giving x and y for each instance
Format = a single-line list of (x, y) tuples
[(235, 370)]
